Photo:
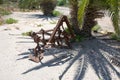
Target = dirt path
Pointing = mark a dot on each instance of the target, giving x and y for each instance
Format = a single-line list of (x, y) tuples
[(87, 60)]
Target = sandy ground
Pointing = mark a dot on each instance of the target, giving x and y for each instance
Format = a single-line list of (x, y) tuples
[(83, 62)]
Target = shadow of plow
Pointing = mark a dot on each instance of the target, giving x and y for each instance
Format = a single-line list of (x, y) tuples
[(50, 63), (24, 55)]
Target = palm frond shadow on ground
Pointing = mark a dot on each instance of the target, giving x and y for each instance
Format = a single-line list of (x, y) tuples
[(80, 56), (94, 52), (98, 54)]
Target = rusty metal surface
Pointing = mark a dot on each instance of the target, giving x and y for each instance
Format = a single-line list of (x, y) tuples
[(57, 36)]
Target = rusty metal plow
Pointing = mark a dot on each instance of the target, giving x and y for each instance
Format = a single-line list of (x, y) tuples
[(57, 37)]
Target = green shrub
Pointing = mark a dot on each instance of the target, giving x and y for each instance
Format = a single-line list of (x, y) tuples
[(48, 6), (96, 28), (67, 30), (79, 38), (11, 21), (56, 13), (26, 33), (114, 37), (61, 2)]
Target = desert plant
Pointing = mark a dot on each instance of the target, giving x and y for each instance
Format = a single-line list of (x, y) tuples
[(48, 6), (74, 15), (84, 12), (115, 16), (11, 21), (92, 11)]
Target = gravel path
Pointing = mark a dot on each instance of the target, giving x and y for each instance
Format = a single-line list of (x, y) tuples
[(88, 60)]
